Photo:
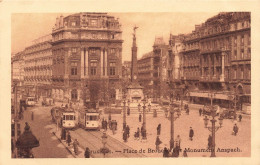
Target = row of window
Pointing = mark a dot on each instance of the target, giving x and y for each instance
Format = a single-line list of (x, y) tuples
[(93, 68), (244, 54), (93, 35), (242, 40), (38, 48), (45, 72)]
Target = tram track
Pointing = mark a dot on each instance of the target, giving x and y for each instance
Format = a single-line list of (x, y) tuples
[(121, 147), (93, 140)]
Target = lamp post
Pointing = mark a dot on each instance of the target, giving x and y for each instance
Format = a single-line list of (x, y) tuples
[(128, 107), (15, 117), (213, 128), (173, 108), (104, 150), (144, 119), (124, 114)]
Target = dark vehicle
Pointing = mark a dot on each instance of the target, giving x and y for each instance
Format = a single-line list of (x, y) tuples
[(228, 114)]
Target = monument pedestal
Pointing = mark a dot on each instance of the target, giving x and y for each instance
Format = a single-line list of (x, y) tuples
[(135, 93)]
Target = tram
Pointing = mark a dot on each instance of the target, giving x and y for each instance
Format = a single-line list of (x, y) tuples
[(89, 119), (69, 119), (56, 114)]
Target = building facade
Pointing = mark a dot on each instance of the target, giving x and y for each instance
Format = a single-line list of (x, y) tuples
[(87, 58), (17, 65), (217, 58), (152, 71), (38, 68)]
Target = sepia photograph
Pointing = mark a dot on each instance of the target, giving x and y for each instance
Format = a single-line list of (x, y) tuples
[(130, 84)]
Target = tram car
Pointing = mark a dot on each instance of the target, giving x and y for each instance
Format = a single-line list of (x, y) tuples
[(69, 119), (56, 114), (89, 119)]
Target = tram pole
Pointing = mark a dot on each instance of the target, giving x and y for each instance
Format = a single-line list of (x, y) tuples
[(15, 119)]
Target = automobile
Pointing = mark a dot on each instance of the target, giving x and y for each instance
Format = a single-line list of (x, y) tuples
[(228, 114)]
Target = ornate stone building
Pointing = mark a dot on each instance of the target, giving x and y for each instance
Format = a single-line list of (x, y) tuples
[(217, 57), (38, 67), (152, 71), (17, 65), (87, 57)]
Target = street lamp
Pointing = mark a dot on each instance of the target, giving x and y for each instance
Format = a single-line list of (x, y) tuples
[(173, 108), (213, 128), (124, 114), (144, 119), (104, 150)]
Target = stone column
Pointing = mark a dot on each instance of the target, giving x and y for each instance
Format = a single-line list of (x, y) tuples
[(209, 66), (66, 61), (214, 65), (106, 57), (101, 62), (202, 66), (86, 63), (223, 66), (82, 62)]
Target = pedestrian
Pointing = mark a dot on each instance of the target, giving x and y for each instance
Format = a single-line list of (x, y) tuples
[(191, 134), (140, 117), (62, 137), (209, 142), (87, 153), (109, 116), (113, 127), (200, 111), (235, 129), (125, 136), (178, 141), (138, 133), (175, 152), (128, 131), (142, 131), (157, 143), (188, 111), (165, 152), (32, 116), (116, 124), (75, 145), (128, 111), (240, 117), (185, 153), (110, 124), (68, 139), (105, 125), (159, 129)]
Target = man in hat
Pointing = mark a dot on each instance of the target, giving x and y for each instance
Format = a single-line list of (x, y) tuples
[(191, 134)]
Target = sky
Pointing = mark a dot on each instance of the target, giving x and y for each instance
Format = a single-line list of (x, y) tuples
[(29, 26)]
